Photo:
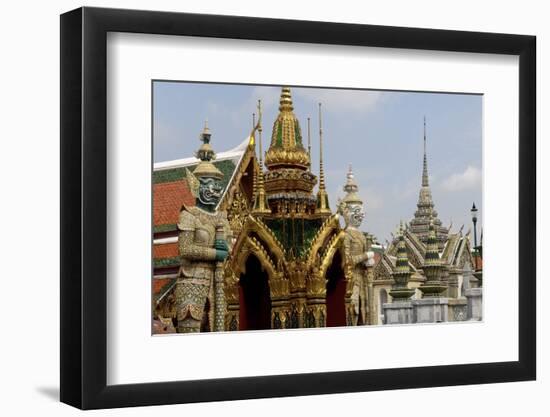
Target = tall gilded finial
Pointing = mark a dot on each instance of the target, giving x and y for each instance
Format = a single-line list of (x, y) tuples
[(322, 196), (309, 140), (260, 133), (252, 144), (260, 199), (321, 168)]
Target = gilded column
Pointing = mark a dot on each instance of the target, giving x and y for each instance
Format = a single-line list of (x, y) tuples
[(231, 289), (279, 287), (316, 308)]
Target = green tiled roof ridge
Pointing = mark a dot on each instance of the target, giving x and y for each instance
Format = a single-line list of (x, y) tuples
[(175, 174)]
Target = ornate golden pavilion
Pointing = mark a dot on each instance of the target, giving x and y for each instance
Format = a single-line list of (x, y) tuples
[(287, 268)]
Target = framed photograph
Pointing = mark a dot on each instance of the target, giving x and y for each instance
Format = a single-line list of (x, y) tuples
[(259, 208)]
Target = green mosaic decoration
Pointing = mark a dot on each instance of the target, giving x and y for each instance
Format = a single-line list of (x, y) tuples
[(279, 134)]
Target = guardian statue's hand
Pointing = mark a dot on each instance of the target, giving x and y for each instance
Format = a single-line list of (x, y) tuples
[(221, 244), (221, 255)]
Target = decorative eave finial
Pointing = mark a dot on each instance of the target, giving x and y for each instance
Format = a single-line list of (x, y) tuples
[(252, 140)]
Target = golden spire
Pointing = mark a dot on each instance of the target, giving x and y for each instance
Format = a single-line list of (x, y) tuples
[(322, 196), (260, 200), (286, 149)]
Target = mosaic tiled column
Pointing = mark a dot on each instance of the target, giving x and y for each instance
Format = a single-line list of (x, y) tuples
[(220, 307), (231, 289)]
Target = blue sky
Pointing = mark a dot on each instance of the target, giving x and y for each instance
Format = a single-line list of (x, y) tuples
[(379, 132)]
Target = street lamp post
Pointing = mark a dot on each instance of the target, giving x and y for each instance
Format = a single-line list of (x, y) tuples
[(477, 249), (474, 220)]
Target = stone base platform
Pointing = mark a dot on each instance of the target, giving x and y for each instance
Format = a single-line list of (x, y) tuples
[(431, 310), (398, 312), (475, 304)]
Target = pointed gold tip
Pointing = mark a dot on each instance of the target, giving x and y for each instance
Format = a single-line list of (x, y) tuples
[(285, 103)]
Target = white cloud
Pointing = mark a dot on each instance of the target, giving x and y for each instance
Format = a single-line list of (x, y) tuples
[(270, 102), (373, 200), (358, 101), (470, 178)]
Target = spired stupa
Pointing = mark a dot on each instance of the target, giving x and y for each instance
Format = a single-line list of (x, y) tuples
[(425, 209)]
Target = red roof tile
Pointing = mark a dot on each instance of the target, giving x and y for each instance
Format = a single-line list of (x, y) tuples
[(165, 250), (168, 197), (159, 283)]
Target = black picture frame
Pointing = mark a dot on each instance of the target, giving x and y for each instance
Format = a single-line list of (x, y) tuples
[(84, 207)]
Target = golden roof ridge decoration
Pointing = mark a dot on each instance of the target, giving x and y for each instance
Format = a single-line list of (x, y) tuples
[(271, 234), (331, 223)]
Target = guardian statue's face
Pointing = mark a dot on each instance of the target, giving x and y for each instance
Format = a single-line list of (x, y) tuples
[(353, 214), (210, 191)]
